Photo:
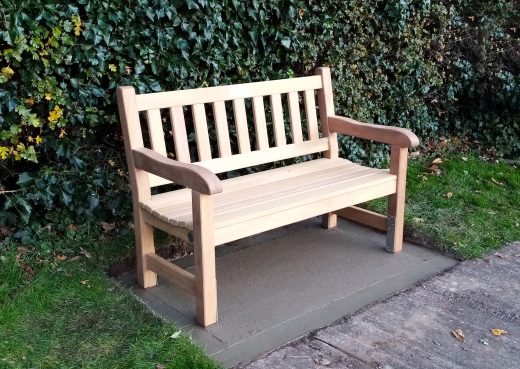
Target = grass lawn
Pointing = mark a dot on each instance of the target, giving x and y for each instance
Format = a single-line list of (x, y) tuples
[(468, 208), (71, 315)]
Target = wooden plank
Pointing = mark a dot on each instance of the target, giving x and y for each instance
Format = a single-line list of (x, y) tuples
[(310, 113), (155, 127), (159, 100), (204, 255), (326, 104), (364, 216), (278, 123), (201, 132), (298, 213), (171, 272), (219, 165), (295, 117), (396, 202), (221, 126), (180, 138), (262, 141), (239, 111)]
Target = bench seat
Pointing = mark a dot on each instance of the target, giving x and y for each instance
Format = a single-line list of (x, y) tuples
[(277, 197)]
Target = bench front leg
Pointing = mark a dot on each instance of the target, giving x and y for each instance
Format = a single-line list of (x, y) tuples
[(144, 245), (396, 201), (204, 254)]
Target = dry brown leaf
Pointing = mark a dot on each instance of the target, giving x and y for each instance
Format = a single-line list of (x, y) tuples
[(73, 227), (414, 154), (499, 255), (449, 195), (61, 257), (434, 169), (498, 331), (457, 333), (107, 227), (418, 220), (159, 366), (437, 161)]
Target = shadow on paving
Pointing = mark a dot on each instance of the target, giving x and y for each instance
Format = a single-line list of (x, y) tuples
[(280, 285), (413, 329)]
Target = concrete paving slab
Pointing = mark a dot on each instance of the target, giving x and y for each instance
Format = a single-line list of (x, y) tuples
[(279, 285), (412, 329)]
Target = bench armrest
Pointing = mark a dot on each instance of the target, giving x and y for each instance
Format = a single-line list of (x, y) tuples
[(189, 175), (385, 134)]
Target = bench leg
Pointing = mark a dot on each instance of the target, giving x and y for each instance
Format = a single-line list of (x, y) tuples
[(329, 220), (144, 245), (204, 254), (396, 202)]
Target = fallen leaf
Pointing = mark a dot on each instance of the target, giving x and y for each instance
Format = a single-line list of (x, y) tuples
[(449, 195), (159, 366), (443, 143), (175, 334), (418, 220), (437, 161), (434, 169), (414, 154), (457, 333), (499, 255), (73, 227), (498, 331), (107, 227), (464, 158), (496, 182), (61, 257), (85, 283)]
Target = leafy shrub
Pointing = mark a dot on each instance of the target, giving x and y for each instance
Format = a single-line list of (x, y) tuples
[(437, 67)]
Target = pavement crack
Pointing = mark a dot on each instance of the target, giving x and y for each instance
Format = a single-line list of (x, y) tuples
[(371, 364)]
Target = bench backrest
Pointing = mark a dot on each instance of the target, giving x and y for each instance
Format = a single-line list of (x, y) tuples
[(303, 137)]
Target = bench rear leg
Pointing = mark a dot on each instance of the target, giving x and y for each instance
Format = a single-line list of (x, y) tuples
[(144, 245), (396, 202), (329, 220), (204, 254)]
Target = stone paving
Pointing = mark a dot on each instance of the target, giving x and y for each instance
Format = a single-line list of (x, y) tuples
[(413, 329)]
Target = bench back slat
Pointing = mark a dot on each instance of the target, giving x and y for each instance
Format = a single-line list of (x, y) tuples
[(278, 123), (153, 118), (201, 132), (221, 126), (180, 138), (262, 141), (293, 102), (310, 112), (239, 113)]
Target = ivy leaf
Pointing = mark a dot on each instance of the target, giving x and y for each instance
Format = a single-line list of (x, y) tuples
[(24, 178)]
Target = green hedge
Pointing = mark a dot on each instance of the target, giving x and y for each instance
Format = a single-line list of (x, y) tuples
[(437, 67)]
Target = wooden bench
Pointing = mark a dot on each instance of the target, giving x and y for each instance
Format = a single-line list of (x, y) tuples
[(209, 211)]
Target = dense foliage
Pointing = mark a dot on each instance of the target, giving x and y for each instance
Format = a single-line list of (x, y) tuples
[(437, 67)]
